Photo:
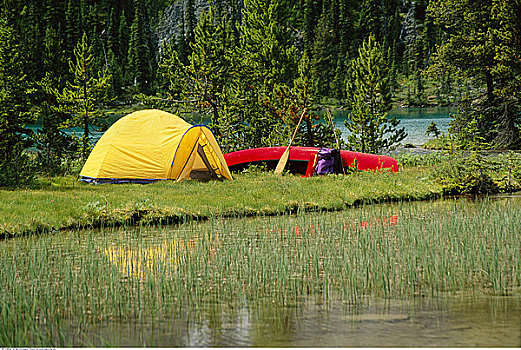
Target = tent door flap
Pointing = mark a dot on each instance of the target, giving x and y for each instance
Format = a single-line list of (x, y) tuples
[(206, 162)]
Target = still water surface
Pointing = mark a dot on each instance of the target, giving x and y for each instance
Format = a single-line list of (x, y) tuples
[(459, 321), (414, 120), (445, 320)]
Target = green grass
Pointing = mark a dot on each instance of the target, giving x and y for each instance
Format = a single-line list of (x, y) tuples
[(57, 287), (63, 203)]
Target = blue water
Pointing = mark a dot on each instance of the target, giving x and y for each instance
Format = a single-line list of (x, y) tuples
[(414, 120), (76, 131)]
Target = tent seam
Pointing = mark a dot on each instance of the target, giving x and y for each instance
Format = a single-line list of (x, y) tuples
[(181, 140), (191, 152)]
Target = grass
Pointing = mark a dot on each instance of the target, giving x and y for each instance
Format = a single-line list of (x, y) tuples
[(233, 245), (55, 204), (55, 286)]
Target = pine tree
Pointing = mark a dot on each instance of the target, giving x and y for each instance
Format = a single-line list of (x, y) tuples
[(116, 71), (82, 98), (173, 74), (392, 20), (122, 58), (323, 56), (212, 64), (305, 98), (182, 47), (311, 14), (190, 22), (73, 25), (267, 42), (338, 84), (112, 34), (369, 21), (53, 14), (268, 64), (53, 145), (31, 36), (15, 167), (470, 45), (416, 49), (483, 45), (507, 71), (369, 93), (139, 57)]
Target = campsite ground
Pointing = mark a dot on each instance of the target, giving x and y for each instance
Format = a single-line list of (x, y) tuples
[(59, 203), (228, 282)]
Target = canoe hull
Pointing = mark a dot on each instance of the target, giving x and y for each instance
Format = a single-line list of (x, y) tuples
[(300, 158)]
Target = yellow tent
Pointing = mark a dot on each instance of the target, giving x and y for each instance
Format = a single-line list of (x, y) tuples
[(152, 145)]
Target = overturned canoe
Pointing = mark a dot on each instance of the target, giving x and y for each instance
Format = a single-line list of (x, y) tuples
[(302, 159)]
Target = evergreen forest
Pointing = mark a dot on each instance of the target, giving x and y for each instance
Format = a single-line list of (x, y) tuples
[(250, 67)]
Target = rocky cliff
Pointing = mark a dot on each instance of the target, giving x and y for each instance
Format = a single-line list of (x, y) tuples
[(173, 18)]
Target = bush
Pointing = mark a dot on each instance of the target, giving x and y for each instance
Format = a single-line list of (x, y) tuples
[(406, 159), (16, 167), (441, 143), (477, 173)]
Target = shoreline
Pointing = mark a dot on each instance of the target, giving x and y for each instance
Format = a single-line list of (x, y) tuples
[(54, 204), (66, 204)]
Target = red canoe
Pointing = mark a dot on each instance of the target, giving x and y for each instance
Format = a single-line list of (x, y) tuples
[(302, 159)]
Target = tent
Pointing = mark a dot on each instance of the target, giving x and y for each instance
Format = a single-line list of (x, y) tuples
[(151, 145)]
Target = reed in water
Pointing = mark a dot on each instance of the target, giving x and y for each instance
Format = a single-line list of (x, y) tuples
[(59, 284)]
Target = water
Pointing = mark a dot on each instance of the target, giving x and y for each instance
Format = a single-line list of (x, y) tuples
[(444, 320), (419, 322), (414, 120), (124, 286), (74, 131)]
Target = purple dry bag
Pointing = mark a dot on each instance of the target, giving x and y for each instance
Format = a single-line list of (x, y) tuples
[(325, 161)]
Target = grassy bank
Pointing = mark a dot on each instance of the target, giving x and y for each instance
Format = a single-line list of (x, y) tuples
[(63, 203)]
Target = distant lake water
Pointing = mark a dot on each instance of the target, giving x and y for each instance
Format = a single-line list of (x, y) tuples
[(414, 120)]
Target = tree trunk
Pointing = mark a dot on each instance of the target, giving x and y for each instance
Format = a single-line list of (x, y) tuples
[(490, 86), (85, 119), (215, 119), (309, 127), (508, 133), (85, 135)]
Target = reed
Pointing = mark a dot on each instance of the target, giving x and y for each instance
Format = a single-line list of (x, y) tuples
[(57, 286)]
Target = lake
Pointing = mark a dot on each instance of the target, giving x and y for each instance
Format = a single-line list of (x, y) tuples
[(451, 321), (414, 120), (422, 274)]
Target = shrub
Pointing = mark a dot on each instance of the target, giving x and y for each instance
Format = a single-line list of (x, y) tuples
[(479, 173)]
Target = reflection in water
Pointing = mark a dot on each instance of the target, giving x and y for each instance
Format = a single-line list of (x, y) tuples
[(419, 322), (447, 320), (140, 261), (387, 221), (272, 281), (363, 223)]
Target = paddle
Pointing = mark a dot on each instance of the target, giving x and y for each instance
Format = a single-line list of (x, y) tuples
[(284, 159)]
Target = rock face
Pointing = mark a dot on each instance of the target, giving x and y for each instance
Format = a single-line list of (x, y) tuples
[(173, 19), (174, 16)]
